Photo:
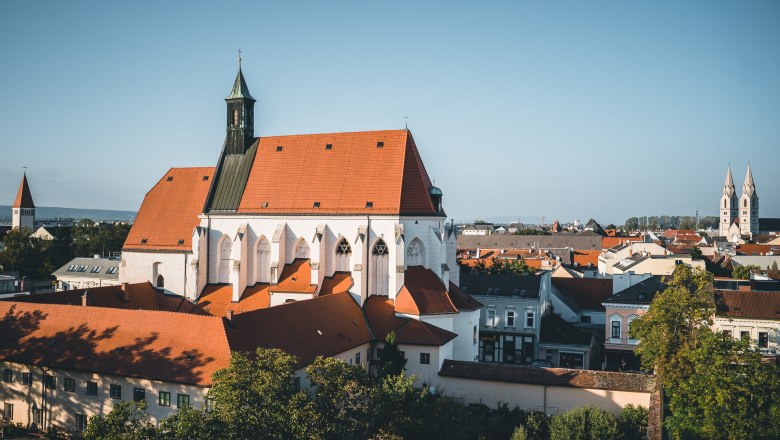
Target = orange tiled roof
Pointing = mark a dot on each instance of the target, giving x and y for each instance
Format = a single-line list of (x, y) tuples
[(166, 346), (759, 249), (296, 278), (423, 293), (23, 196), (321, 326), (583, 258), (217, 299), (748, 304), (380, 312), (169, 212), (610, 242), (130, 296), (339, 282), (343, 179)]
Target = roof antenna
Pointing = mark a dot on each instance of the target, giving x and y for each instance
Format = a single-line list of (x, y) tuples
[(239, 58)]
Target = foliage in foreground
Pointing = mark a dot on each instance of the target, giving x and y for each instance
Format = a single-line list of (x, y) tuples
[(257, 397), (716, 385)]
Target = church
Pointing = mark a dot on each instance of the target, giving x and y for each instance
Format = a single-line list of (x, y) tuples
[(283, 219), (739, 215)]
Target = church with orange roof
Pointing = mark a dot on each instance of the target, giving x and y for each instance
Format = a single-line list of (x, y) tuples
[(282, 219)]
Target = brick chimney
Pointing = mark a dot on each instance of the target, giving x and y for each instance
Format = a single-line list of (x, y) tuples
[(229, 316), (125, 293), (85, 299)]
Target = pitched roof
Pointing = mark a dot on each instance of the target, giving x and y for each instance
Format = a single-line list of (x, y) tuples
[(295, 278), (556, 330), (380, 313), (585, 258), (81, 267), (640, 293), (562, 377), (129, 296), (169, 212), (609, 242), (290, 173), (339, 282), (23, 196), (217, 299), (509, 284), (588, 293), (511, 241), (748, 304), (423, 293), (758, 249), (322, 326), (462, 300), (136, 343)]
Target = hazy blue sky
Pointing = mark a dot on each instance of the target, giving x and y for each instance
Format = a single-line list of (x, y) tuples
[(562, 109)]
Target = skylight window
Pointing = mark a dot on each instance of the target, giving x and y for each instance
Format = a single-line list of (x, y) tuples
[(380, 144), (279, 148), (143, 241), (328, 146), (369, 204), (316, 204), (96, 269), (205, 178), (181, 242), (170, 178)]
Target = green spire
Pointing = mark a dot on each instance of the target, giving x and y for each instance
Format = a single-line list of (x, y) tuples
[(240, 89)]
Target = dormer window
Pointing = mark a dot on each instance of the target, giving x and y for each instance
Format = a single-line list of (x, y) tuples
[(328, 146), (170, 178), (380, 144), (369, 204), (278, 148), (316, 204)]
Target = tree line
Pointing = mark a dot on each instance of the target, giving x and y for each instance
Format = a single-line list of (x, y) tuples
[(669, 222), (36, 258)]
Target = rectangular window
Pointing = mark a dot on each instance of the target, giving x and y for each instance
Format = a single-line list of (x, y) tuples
[(70, 385), (570, 360), (27, 378), (357, 358), (369, 355), (115, 391), (91, 388), (763, 339), (81, 422), (615, 330), (425, 358), (50, 382), (209, 406), (36, 416), (164, 399), (744, 334), (8, 375), (379, 353), (727, 333), (297, 384), (529, 319), (585, 319), (491, 318), (182, 400), (474, 335), (139, 394), (8, 411), (510, 319)]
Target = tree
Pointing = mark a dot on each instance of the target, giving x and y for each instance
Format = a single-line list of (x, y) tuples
[(696, 253), (587, 422), (743, 272), (632, 422), (392, 361), (127, 420), (677, 318)]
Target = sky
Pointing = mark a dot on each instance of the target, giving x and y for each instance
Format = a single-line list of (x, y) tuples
[(567, 110)]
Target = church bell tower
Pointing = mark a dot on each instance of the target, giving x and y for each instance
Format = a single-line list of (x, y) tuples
[(748, 219), (728, 205), (240, 115)]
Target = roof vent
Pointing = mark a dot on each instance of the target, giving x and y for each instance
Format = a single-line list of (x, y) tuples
[(205, 178), (328, 146), (264, 205), (319, 332), (143, 241), (170, 178), (369, 204), (181, 242), (380, 144), (278, 148), (316, 204)]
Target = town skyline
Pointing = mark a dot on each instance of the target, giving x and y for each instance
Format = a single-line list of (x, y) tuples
[(493, 101)]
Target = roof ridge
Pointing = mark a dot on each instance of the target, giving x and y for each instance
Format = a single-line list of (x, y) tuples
[(331, 133), (31, 304)]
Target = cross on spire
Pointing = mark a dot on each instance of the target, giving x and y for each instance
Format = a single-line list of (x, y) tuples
[(239, 58)]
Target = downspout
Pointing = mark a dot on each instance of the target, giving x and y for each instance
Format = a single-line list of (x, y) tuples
[(208, 248), (185, 275), (368, 250), (43, 398)]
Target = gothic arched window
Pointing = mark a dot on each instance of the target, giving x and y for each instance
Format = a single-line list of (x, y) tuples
[(301, 249), (262, 261), (343, 254), (379, 283), (225, 249), (415, 253)]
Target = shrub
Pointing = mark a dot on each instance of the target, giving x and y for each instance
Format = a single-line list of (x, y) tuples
[(585, 423)]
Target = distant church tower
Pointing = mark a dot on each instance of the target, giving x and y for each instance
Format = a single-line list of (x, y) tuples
[(728, 205), (748, 206), (240, 116), (23, 209)]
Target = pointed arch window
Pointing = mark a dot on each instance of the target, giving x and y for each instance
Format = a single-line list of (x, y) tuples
[(225, 249), (160, 282), (380, 248), (262, 261), (415, 253), (379, 277), (302, 249), (343, 254)]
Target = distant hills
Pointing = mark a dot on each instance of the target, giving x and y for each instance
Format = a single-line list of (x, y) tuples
[(49, 212)]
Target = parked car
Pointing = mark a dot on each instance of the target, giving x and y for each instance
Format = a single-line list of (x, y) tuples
[(541, 363)]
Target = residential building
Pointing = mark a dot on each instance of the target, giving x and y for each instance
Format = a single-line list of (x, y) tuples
[(510, 321), (84, 273), (479, 229), (621, 309), (565, 345), (750, 309)]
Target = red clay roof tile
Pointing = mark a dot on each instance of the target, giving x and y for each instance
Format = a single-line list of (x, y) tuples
[(423, 293), (23, 196)]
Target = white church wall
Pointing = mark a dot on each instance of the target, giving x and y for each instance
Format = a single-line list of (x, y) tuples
[(139, 267)]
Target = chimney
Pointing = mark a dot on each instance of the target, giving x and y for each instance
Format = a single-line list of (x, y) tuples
[(125, 293), (85, 299), (229, 316), (478, 252)]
